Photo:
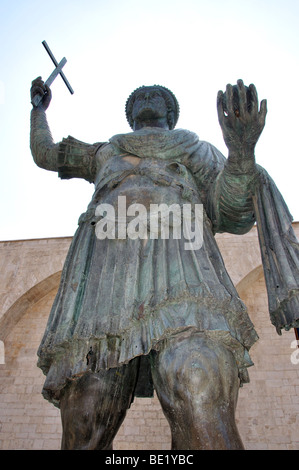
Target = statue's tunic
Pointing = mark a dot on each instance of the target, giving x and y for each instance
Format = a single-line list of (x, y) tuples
[(122, 297)]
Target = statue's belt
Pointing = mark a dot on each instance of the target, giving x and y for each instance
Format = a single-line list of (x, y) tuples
[(173, 174), (177, 177)]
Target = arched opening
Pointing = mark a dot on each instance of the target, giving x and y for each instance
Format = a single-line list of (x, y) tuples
[(253, 276), (28, 421), (33, 295)]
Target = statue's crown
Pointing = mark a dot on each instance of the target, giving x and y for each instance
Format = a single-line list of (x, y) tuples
[(170, 100)]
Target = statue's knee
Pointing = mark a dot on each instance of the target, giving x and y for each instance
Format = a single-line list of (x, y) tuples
[(199, 378), (198, 368)]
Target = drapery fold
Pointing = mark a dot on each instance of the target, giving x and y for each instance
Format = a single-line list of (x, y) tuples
[(279, 251)]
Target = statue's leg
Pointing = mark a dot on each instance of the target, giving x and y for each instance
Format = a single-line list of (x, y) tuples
[(196, 380), (94, 406)]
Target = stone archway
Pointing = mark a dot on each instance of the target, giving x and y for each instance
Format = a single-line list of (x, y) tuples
[(27, 420), (267, 411), (255, 275), (27, 300)]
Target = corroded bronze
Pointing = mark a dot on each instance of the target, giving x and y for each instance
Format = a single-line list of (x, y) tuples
[(137, 314)]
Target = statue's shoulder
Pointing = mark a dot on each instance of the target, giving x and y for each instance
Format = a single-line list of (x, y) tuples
[(206, 160), (76, 159), (210, 154), (72, 145)]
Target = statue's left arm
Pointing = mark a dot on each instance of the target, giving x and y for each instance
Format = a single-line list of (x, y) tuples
[(242, 123), (244, 193)]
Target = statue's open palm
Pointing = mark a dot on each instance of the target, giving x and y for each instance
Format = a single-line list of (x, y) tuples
[(240, 118)]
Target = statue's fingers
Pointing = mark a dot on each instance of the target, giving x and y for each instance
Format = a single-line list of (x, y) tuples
[(263, 111), (243, 108), (38, 81), (220, 109), (230, 100), (254, 99), (48, 96), (37, 90), (37, 86), (47, 89)]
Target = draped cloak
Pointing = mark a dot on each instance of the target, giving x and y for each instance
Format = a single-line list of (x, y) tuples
[(122, 297)]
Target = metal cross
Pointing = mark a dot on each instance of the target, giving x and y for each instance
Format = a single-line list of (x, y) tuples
[(58, 70)]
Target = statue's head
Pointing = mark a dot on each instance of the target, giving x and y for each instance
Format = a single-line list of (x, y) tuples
[(161, 100)]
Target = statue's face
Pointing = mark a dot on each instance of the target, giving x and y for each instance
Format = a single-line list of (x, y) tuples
[(149, 104)]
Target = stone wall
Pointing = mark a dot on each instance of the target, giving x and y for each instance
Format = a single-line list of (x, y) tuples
[(268, 407)]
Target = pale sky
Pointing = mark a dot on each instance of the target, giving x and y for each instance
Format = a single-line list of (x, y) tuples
[(193, 47)]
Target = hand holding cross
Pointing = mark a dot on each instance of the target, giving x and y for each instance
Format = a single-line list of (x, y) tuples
[(40, 91)]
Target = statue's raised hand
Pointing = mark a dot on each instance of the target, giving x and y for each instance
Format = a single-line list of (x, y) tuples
[(38, 87), (241, 120)]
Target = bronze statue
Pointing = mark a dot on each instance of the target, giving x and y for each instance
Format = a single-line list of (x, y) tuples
[(136, 314)]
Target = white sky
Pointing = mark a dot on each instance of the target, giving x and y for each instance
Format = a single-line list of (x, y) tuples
[(193, 47)]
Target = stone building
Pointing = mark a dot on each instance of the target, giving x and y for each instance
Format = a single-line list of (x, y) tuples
[(268, 407)]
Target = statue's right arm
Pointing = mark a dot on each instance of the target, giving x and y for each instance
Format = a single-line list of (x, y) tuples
[(43, 148)]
